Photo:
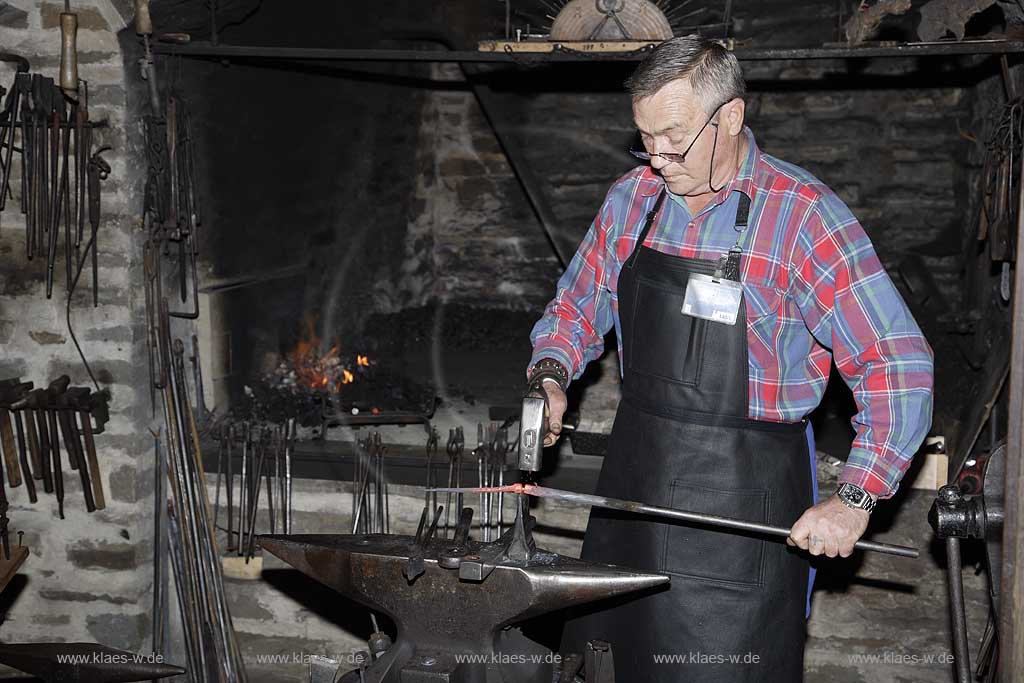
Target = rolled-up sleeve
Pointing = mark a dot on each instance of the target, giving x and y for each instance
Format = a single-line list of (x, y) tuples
[(576, 320), (850, 305)]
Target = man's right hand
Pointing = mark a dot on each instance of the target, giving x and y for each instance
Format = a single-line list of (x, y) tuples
[(556, 409)]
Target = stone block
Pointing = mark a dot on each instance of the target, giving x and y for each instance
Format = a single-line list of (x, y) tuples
[(91, 554), (12, 17), (124, 484), (117, 629)]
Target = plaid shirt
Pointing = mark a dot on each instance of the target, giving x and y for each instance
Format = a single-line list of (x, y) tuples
[(814, 290)]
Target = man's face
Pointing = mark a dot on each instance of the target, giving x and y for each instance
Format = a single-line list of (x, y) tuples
[(670, 119)]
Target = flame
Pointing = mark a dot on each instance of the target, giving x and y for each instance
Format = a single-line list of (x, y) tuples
[(318, 369)]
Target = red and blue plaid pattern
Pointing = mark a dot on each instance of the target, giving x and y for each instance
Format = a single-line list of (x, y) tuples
[(814, 290)]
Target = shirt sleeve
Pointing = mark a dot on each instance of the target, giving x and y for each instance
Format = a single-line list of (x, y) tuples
[(851, 306), (575, 321)]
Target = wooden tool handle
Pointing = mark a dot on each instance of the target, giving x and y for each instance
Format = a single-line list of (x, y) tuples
[(143, 22), (69, 54)]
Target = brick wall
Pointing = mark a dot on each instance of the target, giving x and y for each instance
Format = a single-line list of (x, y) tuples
[(86, 577)]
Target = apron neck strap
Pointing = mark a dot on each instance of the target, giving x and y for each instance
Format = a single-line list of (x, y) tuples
[(648, 224)]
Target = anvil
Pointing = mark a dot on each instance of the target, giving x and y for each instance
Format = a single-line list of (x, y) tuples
[(453, 600)]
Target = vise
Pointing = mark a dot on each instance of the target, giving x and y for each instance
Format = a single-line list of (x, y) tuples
[(455, 601)]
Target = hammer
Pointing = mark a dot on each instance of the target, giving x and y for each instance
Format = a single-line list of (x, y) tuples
[(533, 425)]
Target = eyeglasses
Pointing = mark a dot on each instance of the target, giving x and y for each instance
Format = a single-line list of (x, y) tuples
[(677, 157)]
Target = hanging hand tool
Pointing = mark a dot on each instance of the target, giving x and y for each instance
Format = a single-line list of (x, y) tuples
[(671, 513), (60, 205), (51, 420), (25, 90), (99, 169), (452, 449), (55, 104), (7, 433), (10, 117), (73, 443), (34, 404), (69, 51), (83, 404), (430, 501), (144, 28), (83, 144), (30, 484)]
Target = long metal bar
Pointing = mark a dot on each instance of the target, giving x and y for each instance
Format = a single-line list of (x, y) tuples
[(935, 49), (1011, 608), (671, 513), (957, 615)]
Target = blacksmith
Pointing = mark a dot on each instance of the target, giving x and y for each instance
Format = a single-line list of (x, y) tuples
[(733, 280)]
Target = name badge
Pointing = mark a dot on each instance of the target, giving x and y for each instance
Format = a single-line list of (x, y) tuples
[(718, 301)]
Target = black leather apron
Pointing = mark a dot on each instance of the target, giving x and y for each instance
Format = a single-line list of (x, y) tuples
[(734, 611)]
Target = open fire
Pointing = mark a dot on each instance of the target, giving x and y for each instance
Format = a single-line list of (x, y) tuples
[(317, 381)]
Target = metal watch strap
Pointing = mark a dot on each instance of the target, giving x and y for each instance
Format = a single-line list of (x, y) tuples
[(854, 497), (549, 368)]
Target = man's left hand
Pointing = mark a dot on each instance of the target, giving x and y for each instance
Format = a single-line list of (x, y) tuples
[(830, 527)]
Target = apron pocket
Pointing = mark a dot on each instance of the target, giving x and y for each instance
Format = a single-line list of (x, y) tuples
[(664, 342), (722, 557)]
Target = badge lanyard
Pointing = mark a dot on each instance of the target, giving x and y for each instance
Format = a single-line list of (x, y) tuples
[(718, 297)]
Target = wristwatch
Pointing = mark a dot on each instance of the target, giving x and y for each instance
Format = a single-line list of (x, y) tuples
[(855, 497)]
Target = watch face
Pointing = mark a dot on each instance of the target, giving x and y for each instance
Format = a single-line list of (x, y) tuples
[(855, 496)]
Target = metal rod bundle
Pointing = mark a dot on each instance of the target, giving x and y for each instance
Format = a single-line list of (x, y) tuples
[(48, 124), (492, 454), (211, 642), (265, 460), (370, 505)]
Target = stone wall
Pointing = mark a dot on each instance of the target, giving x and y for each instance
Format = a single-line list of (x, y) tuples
[(86, 577)]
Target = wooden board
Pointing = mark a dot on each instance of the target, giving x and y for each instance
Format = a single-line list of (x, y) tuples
[(8, 568)]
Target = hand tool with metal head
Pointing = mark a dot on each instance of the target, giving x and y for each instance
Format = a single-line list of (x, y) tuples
[(7, 443), (34, 405), (673, 513), (73, 443), (89, 408), (533, 426), (50, 411), (30, 483)]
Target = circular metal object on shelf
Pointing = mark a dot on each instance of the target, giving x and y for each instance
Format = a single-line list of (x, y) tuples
[(610, 20)]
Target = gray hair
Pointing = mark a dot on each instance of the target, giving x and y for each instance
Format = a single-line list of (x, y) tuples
[(713, 72)]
